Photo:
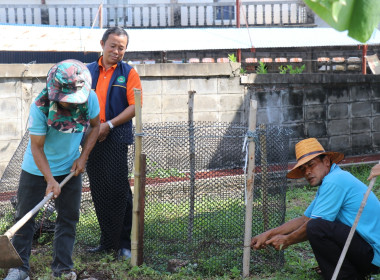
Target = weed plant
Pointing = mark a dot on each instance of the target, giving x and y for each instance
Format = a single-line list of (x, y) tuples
[(289, 69), (262, 68)]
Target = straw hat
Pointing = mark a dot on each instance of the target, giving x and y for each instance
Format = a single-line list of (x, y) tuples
[(308, 149)]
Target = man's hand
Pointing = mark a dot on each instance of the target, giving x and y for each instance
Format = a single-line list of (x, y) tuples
[(375, 171), (279, 242), (53, 186), (79, 165), (259, 241), (292, 232), (104, 131)]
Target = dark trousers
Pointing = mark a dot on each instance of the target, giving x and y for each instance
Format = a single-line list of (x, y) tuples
[(30, 192), (327, 240), (107, 169)]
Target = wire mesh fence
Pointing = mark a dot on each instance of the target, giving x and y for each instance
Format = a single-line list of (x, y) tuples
[(195, 195), (88, 231)]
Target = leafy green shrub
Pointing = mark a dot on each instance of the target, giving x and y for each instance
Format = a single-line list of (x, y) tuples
[(289, 69), (262, 68), (283, 69), (232, 57)]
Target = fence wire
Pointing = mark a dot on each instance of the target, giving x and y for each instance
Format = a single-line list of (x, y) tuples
[(194, 203)]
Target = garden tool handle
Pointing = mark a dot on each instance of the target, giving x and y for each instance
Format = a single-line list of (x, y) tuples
[(30, 214), (353, 228)]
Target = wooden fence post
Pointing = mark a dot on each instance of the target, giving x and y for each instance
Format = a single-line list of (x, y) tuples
[(250, 182), (136, 193)]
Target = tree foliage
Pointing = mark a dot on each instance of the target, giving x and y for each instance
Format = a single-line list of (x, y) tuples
[(359, 17)]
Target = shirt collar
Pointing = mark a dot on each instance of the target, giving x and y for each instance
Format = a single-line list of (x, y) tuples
[(101, 65), (333, 166)]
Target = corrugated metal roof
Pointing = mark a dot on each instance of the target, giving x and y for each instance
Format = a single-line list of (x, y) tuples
[(41, 38)]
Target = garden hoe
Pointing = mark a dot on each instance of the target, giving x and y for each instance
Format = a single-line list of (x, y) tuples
[(8, 255)]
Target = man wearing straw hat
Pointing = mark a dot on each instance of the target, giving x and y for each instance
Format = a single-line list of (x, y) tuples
[(64, 112), (327, 221)]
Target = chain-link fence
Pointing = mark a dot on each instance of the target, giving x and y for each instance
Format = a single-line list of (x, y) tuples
[(194, 203), (195, 195)]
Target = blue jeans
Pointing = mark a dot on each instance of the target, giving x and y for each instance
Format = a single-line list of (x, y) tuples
[(30, 192)]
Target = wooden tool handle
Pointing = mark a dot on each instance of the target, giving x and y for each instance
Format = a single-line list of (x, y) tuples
[(30, 214)]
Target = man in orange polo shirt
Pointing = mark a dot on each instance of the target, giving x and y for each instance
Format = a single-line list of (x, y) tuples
[(113, 81)]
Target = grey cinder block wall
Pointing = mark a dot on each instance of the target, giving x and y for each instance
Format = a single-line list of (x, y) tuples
[(219, 96), (342, 111)]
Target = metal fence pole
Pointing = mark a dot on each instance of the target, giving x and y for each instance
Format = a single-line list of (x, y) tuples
[(364, 61), (264, 174), (192, 164), (250, 182), (136, 193)]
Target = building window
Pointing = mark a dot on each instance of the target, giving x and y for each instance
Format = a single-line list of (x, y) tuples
[(119, 16), (225, 13)]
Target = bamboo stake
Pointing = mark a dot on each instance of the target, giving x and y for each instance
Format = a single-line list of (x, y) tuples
[(192, 164), (96, 16), (138, 148), (101, 15), (250, 184), (264, 175), (140, 255)]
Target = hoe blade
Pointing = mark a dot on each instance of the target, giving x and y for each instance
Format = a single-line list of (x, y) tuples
[(8, 257)]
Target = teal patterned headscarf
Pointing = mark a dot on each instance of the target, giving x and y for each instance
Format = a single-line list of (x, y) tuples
[(72, 120), (68, 81)]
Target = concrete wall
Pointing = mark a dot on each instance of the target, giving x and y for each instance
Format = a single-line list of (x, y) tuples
[(342, 111), (19, 84), (218, 97)]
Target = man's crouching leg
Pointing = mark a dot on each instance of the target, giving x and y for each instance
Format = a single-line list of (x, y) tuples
[(327, 240)]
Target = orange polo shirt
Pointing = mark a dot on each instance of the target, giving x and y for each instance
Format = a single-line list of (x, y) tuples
[(104, 81)]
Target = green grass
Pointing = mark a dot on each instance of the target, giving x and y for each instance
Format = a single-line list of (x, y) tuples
[(299, 258), (7, 221), (88, 230), (167, 234)]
